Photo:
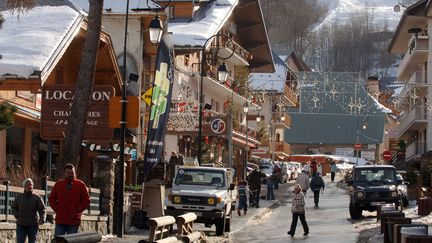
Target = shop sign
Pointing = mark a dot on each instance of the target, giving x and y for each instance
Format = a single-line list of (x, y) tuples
[(57, 103), (211, 126)]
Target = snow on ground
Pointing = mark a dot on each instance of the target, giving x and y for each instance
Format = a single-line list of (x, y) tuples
[(369, 227)]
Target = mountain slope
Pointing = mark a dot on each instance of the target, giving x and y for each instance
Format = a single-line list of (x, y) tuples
[(382, 10)]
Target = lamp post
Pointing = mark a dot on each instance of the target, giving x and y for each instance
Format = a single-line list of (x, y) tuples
[(222, 76), (156, 31), (246, 110)]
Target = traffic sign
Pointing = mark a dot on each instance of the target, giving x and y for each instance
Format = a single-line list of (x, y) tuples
[(387, 155), (147, 96), (358, 145)]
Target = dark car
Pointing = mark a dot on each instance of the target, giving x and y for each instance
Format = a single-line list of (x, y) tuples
[(372, 185), (403, 189)]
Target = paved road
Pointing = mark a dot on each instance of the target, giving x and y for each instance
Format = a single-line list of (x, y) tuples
[(329, 223)]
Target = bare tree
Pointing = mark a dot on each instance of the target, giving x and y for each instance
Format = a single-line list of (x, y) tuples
[(84, 86), (290, 23)]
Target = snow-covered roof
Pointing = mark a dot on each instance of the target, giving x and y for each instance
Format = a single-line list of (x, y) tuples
[(195, 33), (119, 7), (28, 43), (270, 81), (379, 105)]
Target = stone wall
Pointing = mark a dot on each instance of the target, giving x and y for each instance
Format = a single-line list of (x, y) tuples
[(46, 231)]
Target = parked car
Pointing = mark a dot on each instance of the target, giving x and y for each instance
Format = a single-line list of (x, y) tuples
[(371, 186), (295, 168), (403, 189), (267, 167)]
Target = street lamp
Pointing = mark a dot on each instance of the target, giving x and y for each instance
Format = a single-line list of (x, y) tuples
[(119, 167), (258, 118), (246, 110), (155, 30), (222, 76)]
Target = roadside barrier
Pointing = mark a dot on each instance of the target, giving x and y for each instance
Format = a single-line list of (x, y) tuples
[(82, 237), (185, 223), (161, 227)]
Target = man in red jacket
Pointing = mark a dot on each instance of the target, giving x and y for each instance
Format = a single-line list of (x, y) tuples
[(68, 198)]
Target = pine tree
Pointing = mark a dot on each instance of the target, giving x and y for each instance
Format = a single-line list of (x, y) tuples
[(7, 112), (263, 135)]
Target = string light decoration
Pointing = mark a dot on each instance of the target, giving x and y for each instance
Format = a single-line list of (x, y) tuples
[(343, 92)]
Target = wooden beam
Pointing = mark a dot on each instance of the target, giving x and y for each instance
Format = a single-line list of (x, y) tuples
[(20, 84), (246, 3), (248, 26), (255, 46)]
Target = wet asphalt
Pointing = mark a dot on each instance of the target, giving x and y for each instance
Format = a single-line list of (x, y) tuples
[(328, 223)]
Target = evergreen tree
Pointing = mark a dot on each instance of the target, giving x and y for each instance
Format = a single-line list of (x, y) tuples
[(7, 112)]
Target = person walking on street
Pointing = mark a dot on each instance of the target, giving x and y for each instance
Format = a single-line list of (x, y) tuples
[(314, 167), (242, 194), (69, 198), (316, 184), (29, 210), (277, 171), (254, 180), (304, 181), (333, 169), (298, 211), (271, 180)]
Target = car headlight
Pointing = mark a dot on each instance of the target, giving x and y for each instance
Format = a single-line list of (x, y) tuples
[(211, 201), (394, 194), (176, 199), (360, 194)]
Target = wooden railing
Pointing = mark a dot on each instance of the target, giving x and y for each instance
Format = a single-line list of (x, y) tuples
[(9, 193)]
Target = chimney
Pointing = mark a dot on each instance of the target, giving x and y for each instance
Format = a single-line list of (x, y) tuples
[(373, 86)]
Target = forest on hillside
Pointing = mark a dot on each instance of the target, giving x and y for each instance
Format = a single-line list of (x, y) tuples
[(356, 45)]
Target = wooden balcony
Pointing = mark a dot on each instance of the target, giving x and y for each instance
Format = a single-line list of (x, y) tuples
[(285, 124), (282, 147), (290, 96)]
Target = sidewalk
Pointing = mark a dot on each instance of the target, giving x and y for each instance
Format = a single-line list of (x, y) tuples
[(238, 222)]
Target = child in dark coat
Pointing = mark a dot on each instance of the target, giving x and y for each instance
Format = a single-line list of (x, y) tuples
[(242, 194)]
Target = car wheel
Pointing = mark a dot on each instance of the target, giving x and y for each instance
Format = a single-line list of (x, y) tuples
[(354, 211)]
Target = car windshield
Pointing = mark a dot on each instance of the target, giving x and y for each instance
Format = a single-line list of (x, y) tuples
[(375, 176), (200, 177)]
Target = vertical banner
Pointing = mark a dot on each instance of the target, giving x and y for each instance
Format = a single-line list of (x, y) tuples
[(160, 104)]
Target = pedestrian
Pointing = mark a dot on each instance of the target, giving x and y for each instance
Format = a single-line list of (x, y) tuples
[(307, 167), (271, 180), (277, 171), (320, 169), (174, 160), (316, 184), (254, 180), (314, 167), (29, 210), (304, 181), (333, 169), (69, 198), (298, 211), (242, 195)]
